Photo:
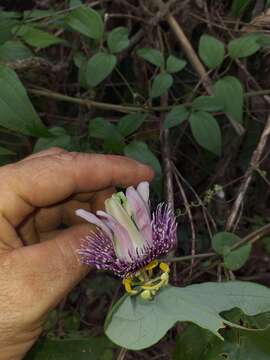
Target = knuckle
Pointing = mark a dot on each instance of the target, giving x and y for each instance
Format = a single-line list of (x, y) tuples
[(67, 156)]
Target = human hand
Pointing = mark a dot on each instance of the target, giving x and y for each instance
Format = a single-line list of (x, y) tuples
[(38, 263)]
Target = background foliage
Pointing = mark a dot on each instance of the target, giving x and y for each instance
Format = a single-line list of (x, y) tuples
[(183, 87)]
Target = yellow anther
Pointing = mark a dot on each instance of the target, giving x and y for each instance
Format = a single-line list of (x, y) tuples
[(146, 295), (164, 278), (148, 287), (153, 287), (127, 284), (144, 282), (164, 267), (151, 265)]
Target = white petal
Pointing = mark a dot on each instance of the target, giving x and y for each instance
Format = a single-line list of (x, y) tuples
[(117, 211), (93, 219), (143, 190)]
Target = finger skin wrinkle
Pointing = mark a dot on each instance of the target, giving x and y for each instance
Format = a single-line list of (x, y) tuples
[(10, 240), (34, 183), (12, 205), (48, 180), (51, 151)]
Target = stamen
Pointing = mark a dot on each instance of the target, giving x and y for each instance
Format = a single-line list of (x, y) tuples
[(145, 283), (164, 267)]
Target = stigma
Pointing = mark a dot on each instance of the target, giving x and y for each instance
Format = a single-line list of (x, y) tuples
[(148, 281)]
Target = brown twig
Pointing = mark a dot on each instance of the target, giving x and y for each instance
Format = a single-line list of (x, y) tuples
[(165, 146), (192, 227), (206, 213), (187, 47), (189, 257), (85, 102), (195, 61), (254, 163), (119, 108), (166, 157), (253, 237), (190, 53), (122, 354)]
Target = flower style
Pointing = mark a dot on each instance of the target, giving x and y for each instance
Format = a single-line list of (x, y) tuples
[(128, 241)]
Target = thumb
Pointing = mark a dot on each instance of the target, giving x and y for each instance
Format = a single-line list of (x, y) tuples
[(52, 268)]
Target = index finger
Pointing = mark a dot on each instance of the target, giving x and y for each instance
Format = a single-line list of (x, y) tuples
[(44, 181)]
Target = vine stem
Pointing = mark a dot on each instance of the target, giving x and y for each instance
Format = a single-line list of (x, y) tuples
[(189, 257), (85, 102), (253, 237), (250, 238), (126, 109), (122, 354)]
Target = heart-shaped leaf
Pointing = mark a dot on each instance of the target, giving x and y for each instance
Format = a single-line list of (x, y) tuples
[(137, 324), (235, 259), (222, 241)]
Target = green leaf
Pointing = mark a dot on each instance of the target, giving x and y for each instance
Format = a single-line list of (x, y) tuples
[(161, 83), (207, 103), (17, 112), (128, 124), (211, 51), (151, 55), (174, 64), (7, 22), (229, 93), (80, 348), (75, 3), (37, 38), (140, 151), (239, 6), (263, 40), (192, 343), (99, 67), (100, 128), (34, 14), (199, 344), (222, 241), (266, 244), (86, 21), (118, 39), (235, 259), (59, 137), (176, 116), (244, 46), (206, 131), (5, 151), (137, 324), (14, 50), (80, 61)]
